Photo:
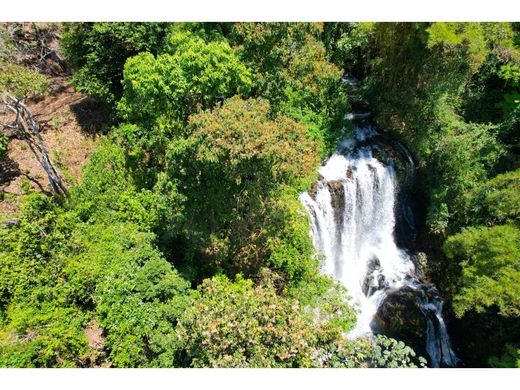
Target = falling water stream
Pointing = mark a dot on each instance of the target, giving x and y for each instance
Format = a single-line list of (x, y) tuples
[(352, 210)]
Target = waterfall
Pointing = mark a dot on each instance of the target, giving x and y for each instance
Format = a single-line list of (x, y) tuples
[(352, 212)]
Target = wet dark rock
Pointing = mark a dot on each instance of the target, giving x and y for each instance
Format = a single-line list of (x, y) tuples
[(335, 186), (337, 194), (314, 189), (374, 279), (400, 317), (349, 173), (390, 152)]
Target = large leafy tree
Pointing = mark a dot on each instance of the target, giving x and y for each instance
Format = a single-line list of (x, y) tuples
[(160, 92), (239, 325), (235, 159), (192, 74)]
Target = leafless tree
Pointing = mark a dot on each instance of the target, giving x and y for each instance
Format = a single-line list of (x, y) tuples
[(26, 127)]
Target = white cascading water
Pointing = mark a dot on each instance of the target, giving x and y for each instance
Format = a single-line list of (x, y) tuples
[(352, 218)]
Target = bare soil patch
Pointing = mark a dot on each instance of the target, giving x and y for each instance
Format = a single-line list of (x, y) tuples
[(69, 122)]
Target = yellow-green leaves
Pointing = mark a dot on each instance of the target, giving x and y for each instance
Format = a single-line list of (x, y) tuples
[(490, 261), (477, 38), (194, 75), (21, 82)]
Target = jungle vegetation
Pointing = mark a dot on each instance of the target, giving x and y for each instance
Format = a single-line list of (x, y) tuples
[(185, 243)]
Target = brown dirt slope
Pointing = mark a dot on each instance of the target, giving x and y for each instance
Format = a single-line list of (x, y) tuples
[(69, 122)]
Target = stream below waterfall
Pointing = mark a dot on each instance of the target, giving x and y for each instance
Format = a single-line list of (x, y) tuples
[(353, 211)]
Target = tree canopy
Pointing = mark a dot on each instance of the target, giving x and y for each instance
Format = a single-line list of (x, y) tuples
[(184, 243)]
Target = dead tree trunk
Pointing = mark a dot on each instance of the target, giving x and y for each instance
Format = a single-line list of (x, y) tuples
[(26, 127)]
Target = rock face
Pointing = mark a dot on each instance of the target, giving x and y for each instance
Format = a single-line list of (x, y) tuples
[(420, 260), (314, 189), (400, 317), (337, 194)]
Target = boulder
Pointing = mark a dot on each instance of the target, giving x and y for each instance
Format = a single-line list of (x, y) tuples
[(399, 316)]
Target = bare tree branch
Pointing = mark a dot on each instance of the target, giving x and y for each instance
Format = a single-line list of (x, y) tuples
[(27, 128)]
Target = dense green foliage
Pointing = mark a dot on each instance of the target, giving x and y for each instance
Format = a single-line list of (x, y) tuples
[(160, 93), (497, 201), (511, 358), (462, 158), (109, 193), (192, 74), (59, 273), (184, 244), (99, 51), (92, 259), (290, 69), (246, 159), (490, 268)]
